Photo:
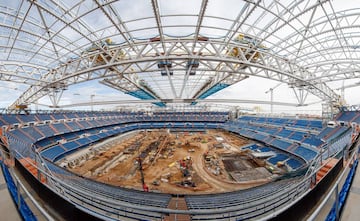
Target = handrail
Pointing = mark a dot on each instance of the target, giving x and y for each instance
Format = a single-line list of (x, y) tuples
[(33, 200), (68, 188), (20, 186), (335, 186), (71, 192)]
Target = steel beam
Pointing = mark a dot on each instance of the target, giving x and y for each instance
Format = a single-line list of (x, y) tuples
[(98, 65), (205, 101)]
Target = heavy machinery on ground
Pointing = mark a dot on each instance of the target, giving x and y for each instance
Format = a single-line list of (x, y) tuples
[(145, 187)]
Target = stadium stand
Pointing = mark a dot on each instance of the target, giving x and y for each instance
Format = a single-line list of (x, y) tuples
[(261, 133), (277, 158), (305, 153), (283, 134), (294, 164), (285, 137), (112, 192), (216, 201), (348, 116)]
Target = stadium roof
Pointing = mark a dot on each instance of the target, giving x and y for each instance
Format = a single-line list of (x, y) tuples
[(178, 51)]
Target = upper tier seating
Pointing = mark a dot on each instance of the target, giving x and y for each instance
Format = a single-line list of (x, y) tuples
[(306, 153), (294, 164), (284, 134), (349, 116), (330, 133), (277, 158), (116, 117), (296, 123)]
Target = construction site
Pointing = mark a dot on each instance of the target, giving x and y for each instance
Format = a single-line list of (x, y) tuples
[(176, 162)]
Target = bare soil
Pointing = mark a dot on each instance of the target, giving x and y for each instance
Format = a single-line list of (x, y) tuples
[(177, 163)]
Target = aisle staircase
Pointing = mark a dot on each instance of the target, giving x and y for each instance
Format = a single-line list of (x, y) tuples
[(328, 165), (177, 203), (29, 163)]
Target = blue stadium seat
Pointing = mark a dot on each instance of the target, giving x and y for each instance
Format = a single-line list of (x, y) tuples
[(280, 144), (277, 158), (348, 116), (305, 153), (314, 141), (43, 117), (294, 164), (53, 152), (9, 119), (284, 133), (298, 136), (71, 145), (46, 130), (266, 149), (61, 128)]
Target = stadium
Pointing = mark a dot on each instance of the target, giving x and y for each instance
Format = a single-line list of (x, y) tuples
[(159, 110)]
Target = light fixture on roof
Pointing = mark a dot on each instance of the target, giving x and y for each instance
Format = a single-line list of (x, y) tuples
[(164, 63), (165, 66), (164, 72), (192, 64)]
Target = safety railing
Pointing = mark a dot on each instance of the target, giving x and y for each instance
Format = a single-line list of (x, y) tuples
[(329, 208), (28, 207), (97, 199)]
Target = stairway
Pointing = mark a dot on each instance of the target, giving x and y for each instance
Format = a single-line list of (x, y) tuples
[(179, 204), (325, 169), (31, 168)]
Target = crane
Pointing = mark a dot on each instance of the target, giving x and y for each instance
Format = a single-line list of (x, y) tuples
[(92, 98), (271, 90), (145, 187), (343, 87)]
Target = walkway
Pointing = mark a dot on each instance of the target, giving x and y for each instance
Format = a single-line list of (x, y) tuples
[(8, 209), (351, 210)]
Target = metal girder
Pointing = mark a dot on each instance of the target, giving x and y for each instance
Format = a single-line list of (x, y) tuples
[(333, 37), (21, 72), (156, 10), (126, 36), (180, 101), (221, 77), (38, 39), (224, 65), (306, 44), (337, 70)]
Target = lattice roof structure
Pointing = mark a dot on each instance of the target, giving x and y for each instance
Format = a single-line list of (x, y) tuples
[(164, 51)]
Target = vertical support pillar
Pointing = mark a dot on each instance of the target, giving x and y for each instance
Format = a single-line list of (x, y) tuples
[(271, 100), (18, 194), (337, 202)]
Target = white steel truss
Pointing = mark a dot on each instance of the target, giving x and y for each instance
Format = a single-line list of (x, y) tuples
[(51, 45), (124, 67)]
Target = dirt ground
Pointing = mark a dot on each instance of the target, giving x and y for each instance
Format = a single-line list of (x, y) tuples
[(175, 162)]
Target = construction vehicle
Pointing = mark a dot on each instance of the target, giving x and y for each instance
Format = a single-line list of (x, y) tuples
[(145, 187), (185, 165)]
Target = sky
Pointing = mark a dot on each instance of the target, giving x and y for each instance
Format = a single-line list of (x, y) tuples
[(253, 88)]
